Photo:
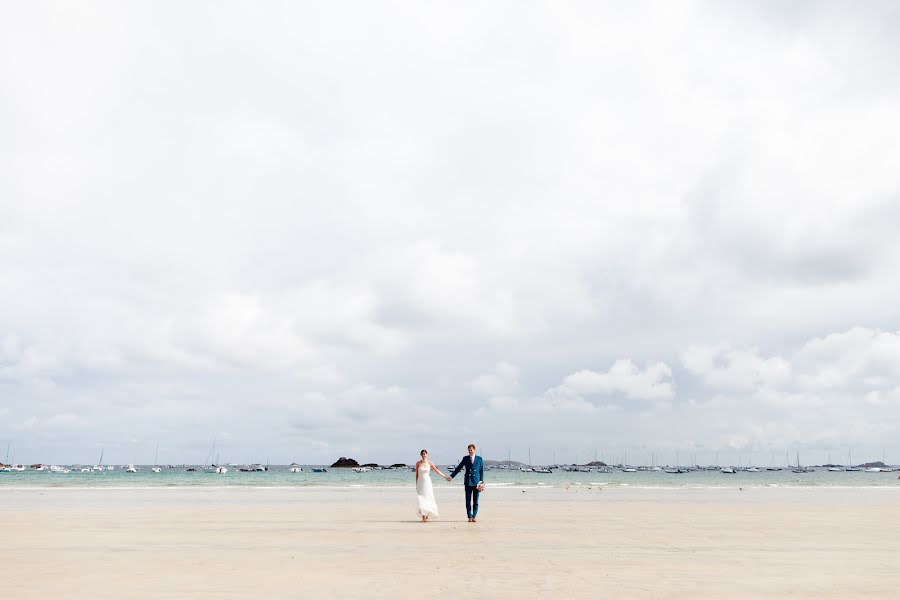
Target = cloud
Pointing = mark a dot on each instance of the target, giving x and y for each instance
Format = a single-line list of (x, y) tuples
[(485, 223), (575, 392), (727, 368), (554, 402), (503, 381), (626, 378), (859, 357)]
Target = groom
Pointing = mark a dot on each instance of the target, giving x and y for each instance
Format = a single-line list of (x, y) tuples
[(474, 476)]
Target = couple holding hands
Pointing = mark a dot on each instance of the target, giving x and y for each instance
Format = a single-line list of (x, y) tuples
[(474, 481)]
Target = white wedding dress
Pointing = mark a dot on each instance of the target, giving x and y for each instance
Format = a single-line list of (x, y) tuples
[(425, 492)]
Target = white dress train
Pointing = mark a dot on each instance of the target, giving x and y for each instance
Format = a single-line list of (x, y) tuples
[(427, 507)]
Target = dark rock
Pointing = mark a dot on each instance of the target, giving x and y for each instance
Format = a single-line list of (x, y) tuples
[(370, 465), (497, 463), (346, 463), (398, 466)]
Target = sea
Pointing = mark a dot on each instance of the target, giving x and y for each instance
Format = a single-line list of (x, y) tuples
[(281, 476)]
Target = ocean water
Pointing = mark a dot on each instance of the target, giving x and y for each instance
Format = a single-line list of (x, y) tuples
[(280, 476)]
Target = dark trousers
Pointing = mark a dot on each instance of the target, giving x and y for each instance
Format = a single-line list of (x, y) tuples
[(472, 501)]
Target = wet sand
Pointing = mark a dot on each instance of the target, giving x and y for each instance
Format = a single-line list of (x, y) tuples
[(575, 542)]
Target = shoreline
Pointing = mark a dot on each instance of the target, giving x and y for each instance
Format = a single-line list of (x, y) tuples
[(409, 486)]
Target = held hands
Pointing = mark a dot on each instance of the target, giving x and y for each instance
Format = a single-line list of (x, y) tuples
[(448, 478)]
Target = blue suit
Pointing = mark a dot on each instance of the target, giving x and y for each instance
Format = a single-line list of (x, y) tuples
[(474, 476)]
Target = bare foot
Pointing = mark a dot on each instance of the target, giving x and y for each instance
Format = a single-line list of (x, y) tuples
[(423, 518), (474, 521)]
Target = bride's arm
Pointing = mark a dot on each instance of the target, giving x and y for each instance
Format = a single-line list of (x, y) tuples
[(436, 470), (417, 471)]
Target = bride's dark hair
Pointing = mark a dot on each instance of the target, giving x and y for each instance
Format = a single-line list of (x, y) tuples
[(424, 451)]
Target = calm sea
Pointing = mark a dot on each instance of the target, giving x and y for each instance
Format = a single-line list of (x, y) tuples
[(280, 476)]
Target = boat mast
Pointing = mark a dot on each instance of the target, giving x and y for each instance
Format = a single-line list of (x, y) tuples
[(210, 451)]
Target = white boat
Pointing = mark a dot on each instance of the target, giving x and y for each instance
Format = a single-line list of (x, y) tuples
[(85, 470), (727, 470), (295, 468), (131, 469), (873, 469), (156, 468), (629, 470), (361, 469), (752, 470), (800, 469), (99, 465), (18, 468), (221, 470), (835, 469)]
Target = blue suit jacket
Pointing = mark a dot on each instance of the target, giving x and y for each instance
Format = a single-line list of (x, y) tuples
[(474, 470)]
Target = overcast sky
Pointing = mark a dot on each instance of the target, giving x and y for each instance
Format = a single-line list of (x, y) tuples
[(315, 230)]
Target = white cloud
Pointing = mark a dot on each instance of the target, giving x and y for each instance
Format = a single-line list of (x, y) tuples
[(727, 368), (554, 402), (503, 381), (626, 378), (574, 394), (537, 192)]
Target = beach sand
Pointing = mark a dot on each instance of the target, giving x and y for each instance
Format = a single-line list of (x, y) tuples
[(575, 542)]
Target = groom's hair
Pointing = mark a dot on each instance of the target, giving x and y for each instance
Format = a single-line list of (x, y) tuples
[(472, 446)]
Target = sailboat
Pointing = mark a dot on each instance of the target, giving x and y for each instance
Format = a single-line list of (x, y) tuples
[(850, 463), (220, 469), (832, 467), (99, 465), (6, 468), (800, 469), (295, 468), (625, 467), (206, 465), (156, 468), (677, 470)]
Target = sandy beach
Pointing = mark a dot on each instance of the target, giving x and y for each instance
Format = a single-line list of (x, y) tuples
[(576, 542)]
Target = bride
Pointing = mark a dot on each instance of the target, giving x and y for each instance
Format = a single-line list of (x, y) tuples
[(424, 491)]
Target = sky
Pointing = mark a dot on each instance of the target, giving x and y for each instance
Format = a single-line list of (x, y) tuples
[(629, 230)]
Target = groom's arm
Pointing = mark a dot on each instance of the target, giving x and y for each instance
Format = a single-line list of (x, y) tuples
[(481, 471), (456, 470)]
